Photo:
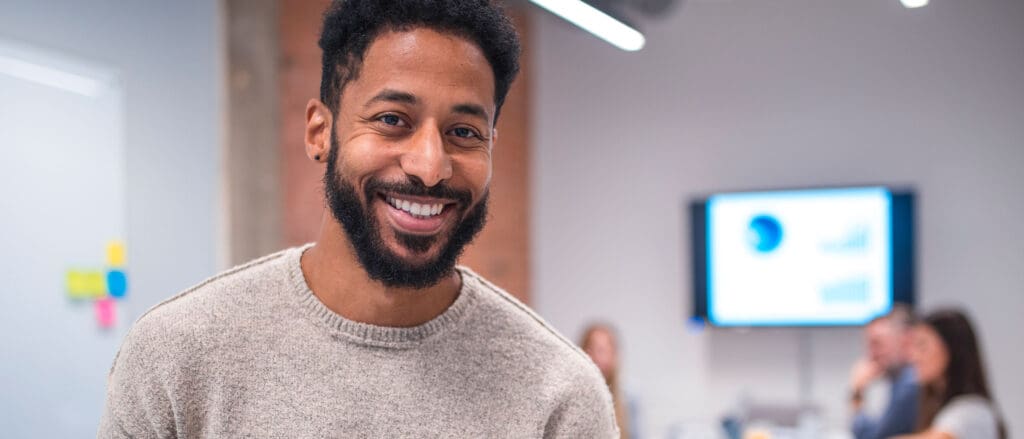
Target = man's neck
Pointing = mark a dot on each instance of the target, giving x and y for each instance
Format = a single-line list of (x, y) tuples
[(336, 277)]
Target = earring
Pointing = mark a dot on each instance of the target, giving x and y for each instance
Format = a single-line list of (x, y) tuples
[(316, 157)]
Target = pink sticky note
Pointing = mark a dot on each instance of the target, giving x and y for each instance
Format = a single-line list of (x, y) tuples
[(106, 314)]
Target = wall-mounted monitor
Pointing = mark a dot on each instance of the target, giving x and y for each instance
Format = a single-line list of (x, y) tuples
[(802, 257)]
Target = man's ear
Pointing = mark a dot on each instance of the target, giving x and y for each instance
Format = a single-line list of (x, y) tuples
[(318, 130)]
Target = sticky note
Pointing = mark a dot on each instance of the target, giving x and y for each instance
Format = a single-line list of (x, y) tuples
[(75, 284), (106, 312), (117, 283), (85, 284), (115, 254), (95, 284)]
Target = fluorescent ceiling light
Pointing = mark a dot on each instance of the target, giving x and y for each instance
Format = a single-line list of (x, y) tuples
[(49, 76), (596, 22), (914, 3)]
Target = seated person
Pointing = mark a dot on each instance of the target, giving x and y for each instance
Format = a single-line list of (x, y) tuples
[(955, 400), (601, 344), (887, 339)]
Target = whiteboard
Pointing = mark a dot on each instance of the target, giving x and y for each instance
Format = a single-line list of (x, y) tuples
[(62, 194)]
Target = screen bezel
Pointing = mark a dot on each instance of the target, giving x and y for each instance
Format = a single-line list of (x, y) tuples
[(902, 254)]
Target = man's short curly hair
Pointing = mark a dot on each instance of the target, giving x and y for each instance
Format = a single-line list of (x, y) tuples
[(351, 25)]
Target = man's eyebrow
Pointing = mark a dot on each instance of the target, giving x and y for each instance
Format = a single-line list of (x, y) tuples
[(472, 110), (388, 95)]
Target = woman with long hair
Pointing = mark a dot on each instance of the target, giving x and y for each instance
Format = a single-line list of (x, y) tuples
[(599, 342), (956, 402)]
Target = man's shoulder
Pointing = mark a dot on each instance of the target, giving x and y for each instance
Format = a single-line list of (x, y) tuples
[(231, 295), (544, 364), (511, 323)]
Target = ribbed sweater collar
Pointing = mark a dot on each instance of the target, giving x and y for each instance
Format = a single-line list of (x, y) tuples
[(381, 336)]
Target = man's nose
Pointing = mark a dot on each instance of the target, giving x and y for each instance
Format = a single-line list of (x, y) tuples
[(426, 158)]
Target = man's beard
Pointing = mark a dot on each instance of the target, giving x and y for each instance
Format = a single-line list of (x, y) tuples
[(364, 231)]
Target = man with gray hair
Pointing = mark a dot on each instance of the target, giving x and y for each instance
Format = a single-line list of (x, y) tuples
[(886, 338)]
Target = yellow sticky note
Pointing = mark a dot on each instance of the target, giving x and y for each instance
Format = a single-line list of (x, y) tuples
[(115, 254), (86, 284), (76, 284), (95, 284)]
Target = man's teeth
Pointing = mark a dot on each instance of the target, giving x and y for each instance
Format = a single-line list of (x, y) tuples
[(416, 208)]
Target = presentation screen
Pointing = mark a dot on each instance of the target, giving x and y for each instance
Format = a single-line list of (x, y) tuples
[(810, 257)]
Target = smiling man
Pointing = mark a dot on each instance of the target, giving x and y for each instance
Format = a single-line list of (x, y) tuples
[(372, 331)]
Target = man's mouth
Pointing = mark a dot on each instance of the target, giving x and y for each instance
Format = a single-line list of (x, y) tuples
[(418, 215), (416, 209)]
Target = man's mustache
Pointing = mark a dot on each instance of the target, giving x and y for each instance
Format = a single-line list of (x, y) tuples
[(417, 189)]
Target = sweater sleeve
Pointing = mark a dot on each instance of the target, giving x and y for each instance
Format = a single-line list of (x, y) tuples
[(137, 403), (585, 411)]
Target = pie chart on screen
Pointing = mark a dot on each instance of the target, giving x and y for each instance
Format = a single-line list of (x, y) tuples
[(765, 233)]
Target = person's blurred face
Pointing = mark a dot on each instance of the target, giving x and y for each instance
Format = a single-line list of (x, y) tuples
[(884, 343), (928, 354), (601, 349)]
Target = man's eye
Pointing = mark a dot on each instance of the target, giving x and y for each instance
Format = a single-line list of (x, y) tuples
[(391, 119), (464, 132)]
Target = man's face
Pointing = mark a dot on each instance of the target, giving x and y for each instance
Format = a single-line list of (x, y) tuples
[(884, 343), (410, 159)]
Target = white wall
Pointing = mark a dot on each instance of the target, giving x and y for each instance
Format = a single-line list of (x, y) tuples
[(747, 94), (169, 58)]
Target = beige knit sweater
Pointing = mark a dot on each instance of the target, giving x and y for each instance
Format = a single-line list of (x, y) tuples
[(253, 353)]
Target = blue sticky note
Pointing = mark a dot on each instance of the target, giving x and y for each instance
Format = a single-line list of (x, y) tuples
[(117, 283)]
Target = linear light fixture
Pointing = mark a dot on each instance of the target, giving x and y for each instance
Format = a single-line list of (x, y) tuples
[(596, 22), (49, 76), (914, 3)]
